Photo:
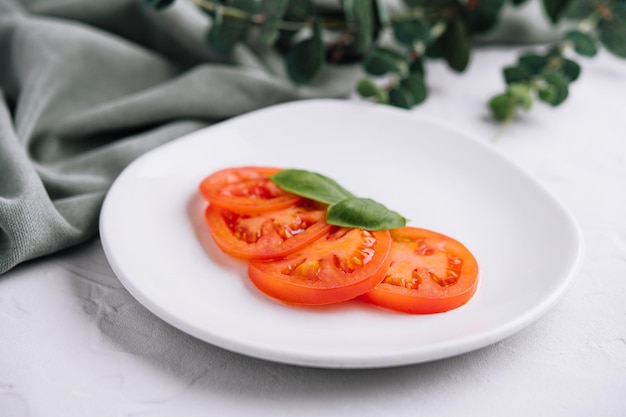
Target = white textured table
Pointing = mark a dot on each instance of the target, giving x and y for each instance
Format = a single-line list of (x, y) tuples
[(73, 342)]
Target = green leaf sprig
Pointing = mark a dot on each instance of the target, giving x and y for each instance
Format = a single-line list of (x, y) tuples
[(344, 208), (393, 42), (547, 75)]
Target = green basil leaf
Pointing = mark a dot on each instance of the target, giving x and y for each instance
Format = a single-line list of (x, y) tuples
[(363, 213), (310, 185)]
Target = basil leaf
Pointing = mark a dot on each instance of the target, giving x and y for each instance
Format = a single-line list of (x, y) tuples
[(310, 185), (363, 213)]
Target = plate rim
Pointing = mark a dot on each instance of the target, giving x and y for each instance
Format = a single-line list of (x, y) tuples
[(468, 343)]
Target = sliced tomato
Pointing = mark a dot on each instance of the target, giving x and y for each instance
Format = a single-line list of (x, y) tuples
[(246, 189), (339, 266), (429, 273), (270, 234)]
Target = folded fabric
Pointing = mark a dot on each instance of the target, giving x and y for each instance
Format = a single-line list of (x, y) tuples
[(86, 87)]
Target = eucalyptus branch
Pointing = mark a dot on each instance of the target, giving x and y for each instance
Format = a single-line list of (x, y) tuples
[(423, 30), (218, 8), (548, 76)]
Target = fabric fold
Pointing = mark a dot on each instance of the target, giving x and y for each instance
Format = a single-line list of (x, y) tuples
[(86, 87)]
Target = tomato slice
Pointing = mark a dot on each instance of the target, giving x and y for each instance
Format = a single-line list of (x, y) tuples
[(429, 273), (245, 190), (339, 266), (269, 234)]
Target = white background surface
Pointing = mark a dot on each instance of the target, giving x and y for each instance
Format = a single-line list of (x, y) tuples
[(73, 342)]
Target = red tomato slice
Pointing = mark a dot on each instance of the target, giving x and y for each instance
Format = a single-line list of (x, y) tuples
[(429, 273), (269, 234), (245, 190), (339, 266)]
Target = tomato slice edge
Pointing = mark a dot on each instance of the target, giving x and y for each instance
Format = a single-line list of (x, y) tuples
[(223, 237), (397, 298), (296, 292), (213, 189)]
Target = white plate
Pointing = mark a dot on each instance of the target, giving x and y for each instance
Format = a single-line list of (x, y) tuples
[(527, 245)]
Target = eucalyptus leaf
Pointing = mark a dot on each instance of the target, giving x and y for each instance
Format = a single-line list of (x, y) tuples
[(299, 10), (613, 36), (414, 83), (306, 58), (583, 43), (401, 97), (382, 60), (227, 30), (483, 16), (502, 107), (158, 4), (360, 19), (417, 67), (273, 10), (576, 9), (521, 94), (368, 88), (534, 62), (310, 185), (363, 213), (516, 74), (570, 69), (557, 90), (554, 8), (454, 44), (410, 31)]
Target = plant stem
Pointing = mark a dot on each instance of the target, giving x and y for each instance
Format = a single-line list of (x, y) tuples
[(258, 19)]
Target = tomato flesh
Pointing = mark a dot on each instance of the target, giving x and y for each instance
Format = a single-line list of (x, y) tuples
[(429, 273), (341, 265), (246, 190), (269, 234)]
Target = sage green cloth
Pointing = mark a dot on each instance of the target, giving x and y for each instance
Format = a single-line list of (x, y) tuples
[(87, 86)]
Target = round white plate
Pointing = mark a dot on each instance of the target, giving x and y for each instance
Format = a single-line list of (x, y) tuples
[(527, 245)]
